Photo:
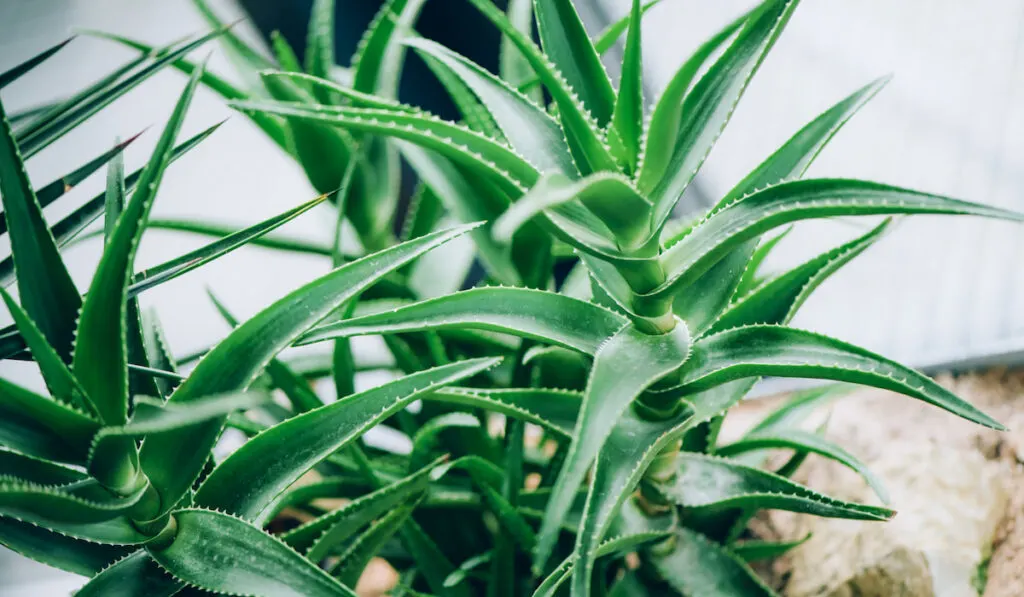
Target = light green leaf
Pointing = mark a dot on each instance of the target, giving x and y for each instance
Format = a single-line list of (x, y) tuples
[(627, 121), (802, 441), (221, 553), (354, 559), (380, 55), (513, 67), (607, 38), (56, 550), (320, 60), (553, 410), (624, 366), (786, 352), (527, 313), (36, 470), (788, 202), (248, 481), (170, 462)]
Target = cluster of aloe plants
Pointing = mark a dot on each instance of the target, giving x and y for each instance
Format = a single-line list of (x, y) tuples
[(560, 432)]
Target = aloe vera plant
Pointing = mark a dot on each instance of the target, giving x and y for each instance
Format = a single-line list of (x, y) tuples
[(549, 429)]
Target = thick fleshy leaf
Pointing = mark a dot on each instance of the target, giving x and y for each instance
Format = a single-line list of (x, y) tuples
[(799, 407), (320, 39), (474, 114), (627, 121), (59, 379), (753, 276), (101, 355), (513, 67), (172, 463), (553, 410), (317, 536), (246, 60), (534, 314), (777, 301), (710, 484), (460, 144), (581, 131), (624, 366), (13, 74), (42, 427), (786, 352), (249, 480), (379, 58), (701, 304), (708, 106), (51, 301), (666, 117), (566, 43), (699, 566), (56, 550), (755, 214), (756, 551), (802, 441), (607, 38), (530, 131), (611, 197), (81, 503), (224, 554), (36, 470), (132, 576), (354, 559)]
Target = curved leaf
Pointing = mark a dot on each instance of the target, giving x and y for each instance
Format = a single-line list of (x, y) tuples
[(553, 410), (777, 301), (429, 436), (51, 300), (699, 566), (82, 503), (36, 470), (56, 550), (534, 314), (607, 38), (248, 481), (624, 366), (173, 463), (627, 120), (756, 551), (786, 352), (100, 355), (802, 441), (752, 215), (353, 560), (378, 61), (566, 43), (132, 576), (710, 484), (42, 427), (220, 553)]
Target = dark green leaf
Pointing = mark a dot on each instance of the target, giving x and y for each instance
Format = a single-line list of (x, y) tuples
[(42, 427), (56, 550), (756, 551), (354, 559), (699, 566), (627, 121), (35, 470), (9, 76), (133, 576)]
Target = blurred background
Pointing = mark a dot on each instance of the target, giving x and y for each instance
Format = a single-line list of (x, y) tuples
[(937, 293)]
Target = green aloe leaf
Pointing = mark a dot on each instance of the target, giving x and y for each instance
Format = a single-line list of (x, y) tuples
[(701, 304), (244, 58), (356, 98), (709, 484), (802, 441), (699, 566), (798, 408), (624, 366), (101, 357), (460, 144), (317, 536), (320, 60), (468, 566), (77, 109), (248, 481), (56, 189), (51, 301), (224, 554), (466, 204), (238, 359), (513, 67), (353, 560), (270, 241), (379, 58), (527, 127), (627, 120), (474, 113), (610, 196), (59, 379), (667, 115), (777, 301), (179, 266), (59, 551), (611, 34), (788, 202), (786, 352), (36, 470), (553, 410), (132, 576), (752, 276), (13, 74), (42, 427), (708, 107), (81, 503), (158, 353), (566, 43), (533, 314), (581, 131), (430, 435), (757, 551)]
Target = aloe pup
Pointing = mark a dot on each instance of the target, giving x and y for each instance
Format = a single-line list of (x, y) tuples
[(611, 385)]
